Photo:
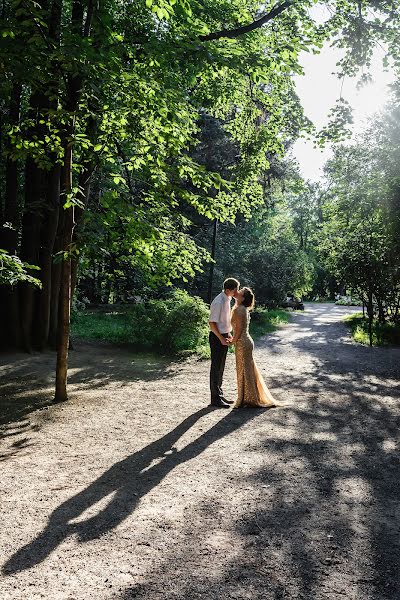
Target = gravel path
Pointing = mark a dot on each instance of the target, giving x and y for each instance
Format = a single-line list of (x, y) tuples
[(136, 489)]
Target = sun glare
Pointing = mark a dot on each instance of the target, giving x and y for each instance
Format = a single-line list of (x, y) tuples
[(318, 90)]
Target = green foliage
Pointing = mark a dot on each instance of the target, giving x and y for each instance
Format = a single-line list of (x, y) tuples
[(351, 302), (174, 325), (278, 268), (383, 334), (145, 75), (338, 128), (13, 270), (359, 236), (265, 254)]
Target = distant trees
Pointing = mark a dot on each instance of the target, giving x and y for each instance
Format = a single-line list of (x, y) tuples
[(264, 252), (360, 234)]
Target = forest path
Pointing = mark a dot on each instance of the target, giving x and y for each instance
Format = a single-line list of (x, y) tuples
[(136, 489)]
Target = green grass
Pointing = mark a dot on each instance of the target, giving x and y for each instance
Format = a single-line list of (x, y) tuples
[(386, 334), (109, 327), (266, 321)]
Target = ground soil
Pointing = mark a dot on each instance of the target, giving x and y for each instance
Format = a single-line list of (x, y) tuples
[(135, 488)]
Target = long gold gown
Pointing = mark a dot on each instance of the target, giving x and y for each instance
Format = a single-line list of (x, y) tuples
[(252, 390)]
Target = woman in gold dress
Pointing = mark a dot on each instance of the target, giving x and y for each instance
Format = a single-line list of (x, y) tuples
[(252, 390)]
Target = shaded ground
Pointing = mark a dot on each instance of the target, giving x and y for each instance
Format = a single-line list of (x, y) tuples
[(136, 489)]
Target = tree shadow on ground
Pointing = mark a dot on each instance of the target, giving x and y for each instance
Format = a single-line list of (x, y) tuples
[(27, 381), (328, 341), (324, 522), (128, 481)]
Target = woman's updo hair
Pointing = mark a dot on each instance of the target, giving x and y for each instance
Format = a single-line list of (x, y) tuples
[(248, 298)]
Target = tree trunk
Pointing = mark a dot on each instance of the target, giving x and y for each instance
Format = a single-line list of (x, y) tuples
[(381, 310), (49, 230), (50, 226), (213, 251), (55, 286), (9, 234), (64, 312), (370, 310), (74, 91), (31, 224)]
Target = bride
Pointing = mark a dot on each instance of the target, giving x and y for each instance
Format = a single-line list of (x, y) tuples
[(252, 390)]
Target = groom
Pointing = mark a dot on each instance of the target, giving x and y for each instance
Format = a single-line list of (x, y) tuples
[(220, 336)]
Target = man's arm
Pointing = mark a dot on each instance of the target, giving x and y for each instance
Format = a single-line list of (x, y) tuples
[(214, 329)]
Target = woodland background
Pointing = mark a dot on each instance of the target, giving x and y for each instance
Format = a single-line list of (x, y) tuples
[(145, 156)]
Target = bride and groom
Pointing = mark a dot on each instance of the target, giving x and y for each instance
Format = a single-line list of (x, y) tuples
[(252, 390)]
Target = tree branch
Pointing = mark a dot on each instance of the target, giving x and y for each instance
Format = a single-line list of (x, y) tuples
[(233, 33)]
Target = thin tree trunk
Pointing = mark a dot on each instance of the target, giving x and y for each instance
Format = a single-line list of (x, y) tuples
[(370, 310), (381, 310), (48, 295), (55, 286), (49, 232), (74, 91), (213, 251), (65, 287), (31, 222)]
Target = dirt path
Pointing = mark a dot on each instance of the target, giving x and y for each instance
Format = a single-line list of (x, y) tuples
[(136, 489)]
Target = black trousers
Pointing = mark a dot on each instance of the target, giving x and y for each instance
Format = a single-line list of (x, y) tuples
[(218, 358)]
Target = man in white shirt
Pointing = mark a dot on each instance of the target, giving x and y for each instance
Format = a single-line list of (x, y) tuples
[(220, 335)]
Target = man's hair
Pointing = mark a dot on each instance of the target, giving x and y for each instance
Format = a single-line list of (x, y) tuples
[(231, 284)]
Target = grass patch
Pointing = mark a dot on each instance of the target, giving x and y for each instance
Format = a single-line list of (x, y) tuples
[(383, 334), (266, 321), (106, 326)]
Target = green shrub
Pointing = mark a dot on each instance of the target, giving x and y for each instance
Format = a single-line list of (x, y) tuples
[(383, 334), (176, 324), (352, 302)]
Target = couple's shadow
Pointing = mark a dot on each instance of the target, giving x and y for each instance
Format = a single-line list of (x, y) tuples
[(128, 480)]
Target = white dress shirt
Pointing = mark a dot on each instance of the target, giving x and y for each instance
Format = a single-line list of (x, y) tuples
[(220, 312)]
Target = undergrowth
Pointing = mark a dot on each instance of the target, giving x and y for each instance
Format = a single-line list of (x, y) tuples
[(176, 325), (383, 334)]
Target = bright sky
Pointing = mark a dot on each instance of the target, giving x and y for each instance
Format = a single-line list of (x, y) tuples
[(318, 90)]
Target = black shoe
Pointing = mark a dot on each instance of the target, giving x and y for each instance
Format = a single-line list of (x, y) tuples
[(227, 401), (219, 403)]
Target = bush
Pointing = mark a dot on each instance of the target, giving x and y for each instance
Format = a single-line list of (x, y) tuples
[(179, 323), (176, 324), (346, 302), (383, 334)]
